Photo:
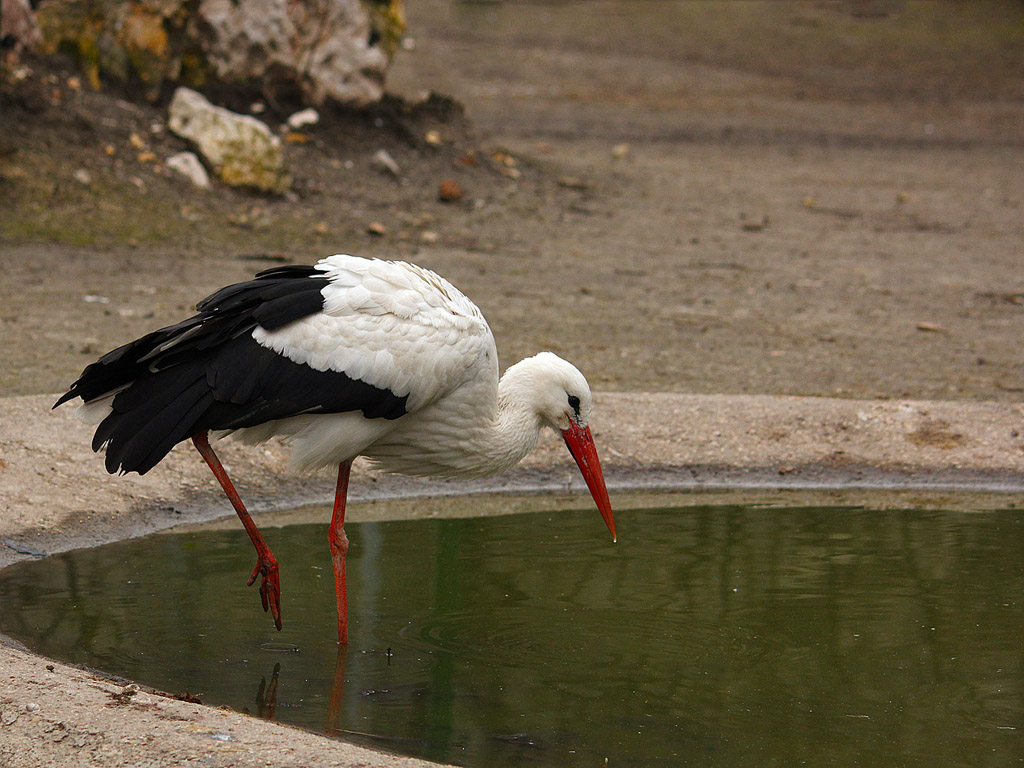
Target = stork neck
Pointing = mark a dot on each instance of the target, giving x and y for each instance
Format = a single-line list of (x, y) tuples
[(513, 434)]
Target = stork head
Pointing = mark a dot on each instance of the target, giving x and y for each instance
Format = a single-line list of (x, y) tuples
[(562, 399)]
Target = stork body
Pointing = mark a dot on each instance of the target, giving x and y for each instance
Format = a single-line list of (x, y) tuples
[(345, 358)]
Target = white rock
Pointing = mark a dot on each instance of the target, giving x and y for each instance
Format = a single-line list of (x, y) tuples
[(383, 160), (191, 167), (242, 151), (302, 118), (324, 47)]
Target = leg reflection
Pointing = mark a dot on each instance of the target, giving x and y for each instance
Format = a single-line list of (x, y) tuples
[(266, 696), (337, 692)]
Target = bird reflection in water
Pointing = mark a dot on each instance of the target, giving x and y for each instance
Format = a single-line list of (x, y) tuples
[(266, 694)]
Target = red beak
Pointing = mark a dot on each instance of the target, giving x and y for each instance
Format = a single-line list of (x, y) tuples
[(581, 446)]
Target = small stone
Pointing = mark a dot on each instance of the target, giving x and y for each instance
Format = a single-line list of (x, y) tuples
[(146, 157), (504, 159), (620, 151), (82, 176), (189, 166), (428, 236), (449, 191), (302, 118), (376, 229), (433, 138), (385, 163), (32, 707), (136, 141)]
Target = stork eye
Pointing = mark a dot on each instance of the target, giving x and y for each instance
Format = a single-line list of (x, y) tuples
[(574, 403)]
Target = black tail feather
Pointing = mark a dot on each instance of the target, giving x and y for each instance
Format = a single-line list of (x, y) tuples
[(207, 372), (157, 413)]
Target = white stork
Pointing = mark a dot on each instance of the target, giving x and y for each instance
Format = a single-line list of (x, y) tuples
[(350, 357)]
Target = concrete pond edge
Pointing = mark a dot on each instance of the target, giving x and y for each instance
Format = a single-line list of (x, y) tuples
[(54, 496)]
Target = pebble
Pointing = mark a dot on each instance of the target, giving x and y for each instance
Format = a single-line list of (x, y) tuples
[(449, 191), (385, 163), (189, 166), (503, 159), (302, 118)]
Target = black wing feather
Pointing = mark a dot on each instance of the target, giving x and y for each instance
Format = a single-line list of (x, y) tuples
[(207, 372)]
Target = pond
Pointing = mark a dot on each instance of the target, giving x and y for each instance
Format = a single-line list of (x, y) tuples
[(707, 636)]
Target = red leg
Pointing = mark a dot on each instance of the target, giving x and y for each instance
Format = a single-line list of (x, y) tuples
[(339, 548), (266, 563)]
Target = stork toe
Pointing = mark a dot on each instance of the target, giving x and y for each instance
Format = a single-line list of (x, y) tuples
[(270, 586)]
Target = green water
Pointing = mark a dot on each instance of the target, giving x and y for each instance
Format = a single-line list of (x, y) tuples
[(715, 636)]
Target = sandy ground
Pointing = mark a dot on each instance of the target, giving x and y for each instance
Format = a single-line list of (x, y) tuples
[(783, 242)]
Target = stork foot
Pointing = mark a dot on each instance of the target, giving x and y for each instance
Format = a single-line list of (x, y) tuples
[(270, 586)]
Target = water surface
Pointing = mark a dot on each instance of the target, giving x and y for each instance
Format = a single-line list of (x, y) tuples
[(714, 636)]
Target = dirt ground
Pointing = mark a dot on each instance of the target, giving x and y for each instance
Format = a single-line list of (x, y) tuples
[(796, 198), (692, 201)]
